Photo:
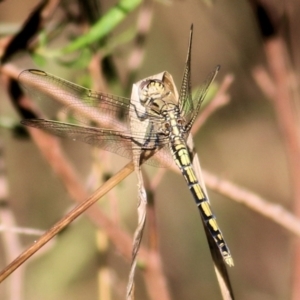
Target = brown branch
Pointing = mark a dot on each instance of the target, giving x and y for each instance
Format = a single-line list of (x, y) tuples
[(274, 212), (220, 99), (264, 81), (11, 243), (284, 105), (12, 247)]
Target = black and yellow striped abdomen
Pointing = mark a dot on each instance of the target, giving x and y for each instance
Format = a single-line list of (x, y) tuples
[(182, 159)]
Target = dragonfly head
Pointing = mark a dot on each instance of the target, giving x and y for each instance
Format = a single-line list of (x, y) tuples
[(150, 90), (154, 94)]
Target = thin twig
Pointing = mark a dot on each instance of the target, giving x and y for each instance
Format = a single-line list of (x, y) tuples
[(274, 212), (11, 242), (104, 272), (220, 99), (12, 247), (264, 81), (21, 230)]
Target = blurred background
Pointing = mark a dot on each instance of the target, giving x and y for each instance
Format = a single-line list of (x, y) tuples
[(246, 142)]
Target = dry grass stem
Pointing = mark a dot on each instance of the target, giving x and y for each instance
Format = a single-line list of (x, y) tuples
[(77, 211)]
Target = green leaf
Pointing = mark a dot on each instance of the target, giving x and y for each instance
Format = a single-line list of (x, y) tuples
[(40, 60), (104, 26), (79, 62)]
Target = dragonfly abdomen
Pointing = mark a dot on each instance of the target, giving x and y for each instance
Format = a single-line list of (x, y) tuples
[(182, 159)]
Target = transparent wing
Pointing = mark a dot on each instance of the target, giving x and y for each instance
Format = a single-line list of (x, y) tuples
[(191, 107), (121, 143), (109, 112), (185, 95), (87, 106), (104, 138)]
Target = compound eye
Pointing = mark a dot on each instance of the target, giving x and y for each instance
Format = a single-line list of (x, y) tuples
[(167, 127)]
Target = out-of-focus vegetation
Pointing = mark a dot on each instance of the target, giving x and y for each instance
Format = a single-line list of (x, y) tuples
[(247, 142)]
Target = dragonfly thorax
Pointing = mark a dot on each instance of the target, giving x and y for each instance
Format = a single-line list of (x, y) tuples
[(173, 124)]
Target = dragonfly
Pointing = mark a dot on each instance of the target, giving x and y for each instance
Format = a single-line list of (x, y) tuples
[(163, 120)]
